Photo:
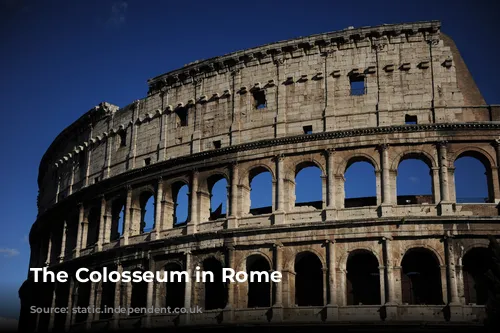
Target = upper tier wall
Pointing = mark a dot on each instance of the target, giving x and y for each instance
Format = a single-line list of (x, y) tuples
[(304, 85)]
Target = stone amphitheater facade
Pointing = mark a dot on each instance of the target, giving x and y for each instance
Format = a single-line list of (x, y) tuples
[(277, 108)]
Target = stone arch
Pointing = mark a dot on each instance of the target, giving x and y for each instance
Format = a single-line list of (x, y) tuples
[(422, 155), (345, 163), (487, 162), (146, 200), (215, 292), (421, 281), (259, 293), (363, 278), (295, 187), (439, 255), (206, 184), (94, 220), (116, 211), (174, 290), (309, 279), (138, 296), (246, 174), (342, 262), (475, 263), (268, 191), (240, 265), (292, 256), (171, 196)]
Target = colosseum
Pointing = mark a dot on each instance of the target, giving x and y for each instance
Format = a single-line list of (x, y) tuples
[(381, 95)]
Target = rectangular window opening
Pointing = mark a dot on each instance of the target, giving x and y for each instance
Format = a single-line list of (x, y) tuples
[(308, 129), (357, 83), (96, 180), (182, 117), (217, 144), (147, 161), (123, 139), (410, 120), (259, 97)]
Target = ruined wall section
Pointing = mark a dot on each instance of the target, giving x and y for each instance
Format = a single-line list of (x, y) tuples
[(406, 69)]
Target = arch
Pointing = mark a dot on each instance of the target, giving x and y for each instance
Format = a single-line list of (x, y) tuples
[(473, 178), (138, 298), (422, 155), (414, 184), (253, 170), (260, 180), (309, 184), (421, 277), (215, 293), (83, 299), (356, 157), (360, 171), (117, 218), (363, 278), (94, 220), (308, 279), (174, 290), (217, 184), (180, 198), (147, 205), (475, 264), (259, 293)]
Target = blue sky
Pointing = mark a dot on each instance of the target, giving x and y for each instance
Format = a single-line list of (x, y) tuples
[(60, 58)]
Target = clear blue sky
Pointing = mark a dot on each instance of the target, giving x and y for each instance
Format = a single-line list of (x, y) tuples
[(60, 58)]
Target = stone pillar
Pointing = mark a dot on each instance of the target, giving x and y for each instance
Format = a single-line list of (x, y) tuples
[(127, 220), (232, 221), (381, 270), (445, 204), (150, 293), (342, 288), (436, 188), (63, 242), (386, 180), (90, 316), (53, 305), (158, 206), (48, 257), (230, 261), (389, 274), (451, 271), (70, 314), (330, 191), (495, 173), (188, 285), (192, 226), (331, 272), (117, 303), (102, 224), (278, 267), (279, 213)]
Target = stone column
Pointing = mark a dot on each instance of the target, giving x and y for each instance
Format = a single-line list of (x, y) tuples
[(451, 271), (117, 303), (150, 293), (436, 188), (232, 221), (389, 274), (193, 210), (63, 242), (102, 224), (70, 314), (188, 285), (158, 215), (48, 258), (495, 173), (90, 316), (330, 191), (386, 180), (127, 220), (279, 215), (331, 272), (230, 261), (53, 305), (342, 288), (278, 266), (445, 204), (381, 272)]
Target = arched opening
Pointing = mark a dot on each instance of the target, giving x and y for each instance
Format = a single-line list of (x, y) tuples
[(421, 278), (261, 191), (147, 202), (217, 187), (72, 234), (56, 236), (181, 116), (414, 181), (83, 299), (180, 195), (475, 264), (139, 297), (117, 218), (259, 293), (473, 178), (308, 185), (94, 219), (360, 184), (308, 280), (363, 278), (107, 297), (215, 290), (174, 290), (46, 290), (62, 296)]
